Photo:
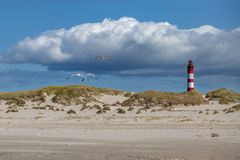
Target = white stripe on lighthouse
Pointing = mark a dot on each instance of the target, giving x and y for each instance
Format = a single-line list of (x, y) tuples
[(190, 84), (190, 76)]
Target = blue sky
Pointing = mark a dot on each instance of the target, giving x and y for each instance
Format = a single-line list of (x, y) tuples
[(27, 18)]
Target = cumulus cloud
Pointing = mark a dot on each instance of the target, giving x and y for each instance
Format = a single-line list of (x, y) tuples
[(135, 48)]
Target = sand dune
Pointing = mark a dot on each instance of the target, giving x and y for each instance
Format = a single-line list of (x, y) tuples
[(103, 128)]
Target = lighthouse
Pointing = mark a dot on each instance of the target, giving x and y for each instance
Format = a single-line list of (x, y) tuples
[(190, 72)]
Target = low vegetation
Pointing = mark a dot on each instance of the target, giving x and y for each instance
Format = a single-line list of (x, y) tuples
[(82, 95), (71, 111), (153, 110), (100, 111), (12, 110), (39, 107), (224, 96), (79, 90), (214, 135), (215, 112), (121, 111), (16, 101), (138, 112), (127, 94), (165, 99), (106, 108), (95, 106), (84, 107), (64, 95), (232, 109), (130, 108)]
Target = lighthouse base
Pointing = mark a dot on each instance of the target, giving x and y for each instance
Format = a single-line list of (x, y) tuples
[(190, 89)]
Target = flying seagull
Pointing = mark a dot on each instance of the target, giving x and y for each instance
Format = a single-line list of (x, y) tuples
[(83, 76), (103, 58)]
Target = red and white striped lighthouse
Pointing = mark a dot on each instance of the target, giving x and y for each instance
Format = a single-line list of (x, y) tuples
[(190, 72)]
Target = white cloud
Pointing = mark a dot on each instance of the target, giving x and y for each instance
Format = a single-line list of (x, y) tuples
[(134, 46)]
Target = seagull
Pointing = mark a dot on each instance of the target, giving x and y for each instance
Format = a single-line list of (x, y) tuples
[(84, 76), (78, 75), (103, 58), (90, 75)]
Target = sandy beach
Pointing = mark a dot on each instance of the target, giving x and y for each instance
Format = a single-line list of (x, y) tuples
[(180, 133), (74, 141)]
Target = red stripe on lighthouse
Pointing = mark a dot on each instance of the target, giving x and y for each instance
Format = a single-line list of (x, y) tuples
[(190, 80)]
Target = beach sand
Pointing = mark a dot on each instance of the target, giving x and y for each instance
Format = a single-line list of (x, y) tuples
[(182, 133)]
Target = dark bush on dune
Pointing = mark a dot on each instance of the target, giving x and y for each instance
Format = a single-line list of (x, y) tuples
[(62, 99), (130, 108), (16, 101), (106, 108), (121, 111), (39, 107), (38, 98), (71, 111)]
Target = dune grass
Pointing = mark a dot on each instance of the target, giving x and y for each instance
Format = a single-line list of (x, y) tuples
[(79, 90), (233, 109), (224, 96), (72, 91), (165, 98), (64, 95), (21, 94)]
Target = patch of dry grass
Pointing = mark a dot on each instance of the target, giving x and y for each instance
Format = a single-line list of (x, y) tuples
[(214, 135), (127, 94), (65, 95), (185, 120), (215, 112), (165, 99), (130, 108), (138, 112), (232, 109), (39, 107), (121, 111), (71, 111), (224, 96), (16, 101), (11, 110), (100, 111), (106, 108), (84, 107)]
